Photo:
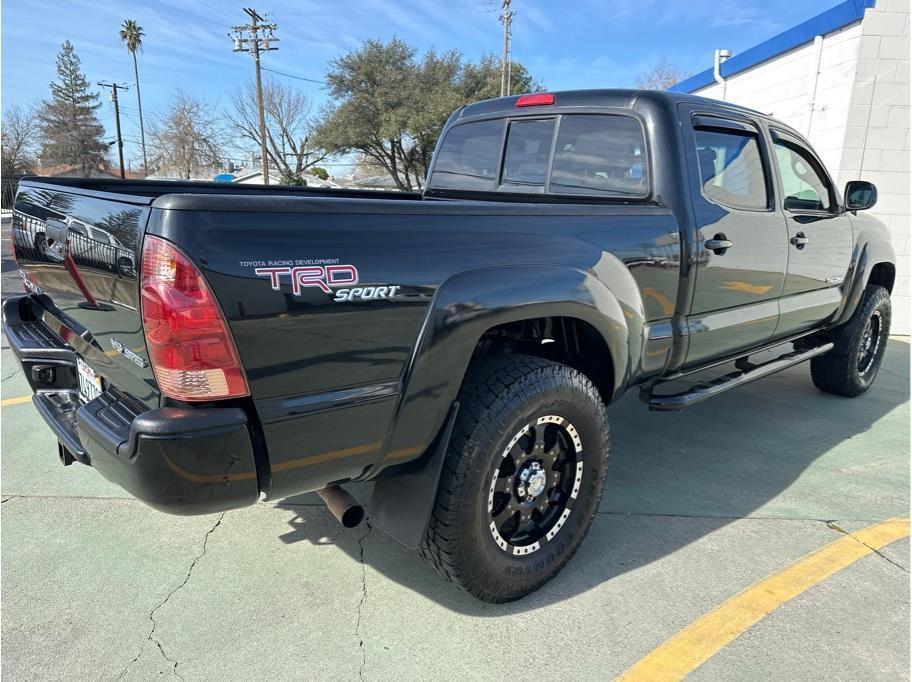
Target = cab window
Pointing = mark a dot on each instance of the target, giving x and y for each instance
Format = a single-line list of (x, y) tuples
[(804, 185)]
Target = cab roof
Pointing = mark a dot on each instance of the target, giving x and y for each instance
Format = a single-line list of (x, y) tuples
[(619, 98)]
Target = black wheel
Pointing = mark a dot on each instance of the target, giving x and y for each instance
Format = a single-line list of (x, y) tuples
[(523, 477), (851, 367)]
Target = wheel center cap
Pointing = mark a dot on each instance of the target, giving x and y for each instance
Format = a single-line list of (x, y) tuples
[(536, 483)]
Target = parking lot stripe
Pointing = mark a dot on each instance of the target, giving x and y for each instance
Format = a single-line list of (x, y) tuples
[(705, 637), (16, 401)]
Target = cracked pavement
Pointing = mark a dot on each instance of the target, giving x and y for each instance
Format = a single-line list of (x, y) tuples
[(97, 586)]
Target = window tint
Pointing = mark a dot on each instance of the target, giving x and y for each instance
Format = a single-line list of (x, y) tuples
[(469, 157), (803, 184), (731, 169), (527, 155), (601, 155)]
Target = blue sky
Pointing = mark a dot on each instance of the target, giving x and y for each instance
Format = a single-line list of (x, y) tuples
[(570, 44)]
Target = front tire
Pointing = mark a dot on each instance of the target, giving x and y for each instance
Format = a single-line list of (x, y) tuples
[(851, 367), (522, 479)]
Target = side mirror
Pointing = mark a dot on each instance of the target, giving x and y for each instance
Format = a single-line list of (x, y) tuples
[(860, 195)]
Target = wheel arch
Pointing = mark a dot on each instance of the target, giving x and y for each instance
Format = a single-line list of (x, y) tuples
[(875, 264), (472, 306)]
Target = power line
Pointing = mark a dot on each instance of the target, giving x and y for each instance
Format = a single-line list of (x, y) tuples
[(214, 8), (372, 11), (289, 75)]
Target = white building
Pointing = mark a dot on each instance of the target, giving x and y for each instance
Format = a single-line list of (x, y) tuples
[(841, 79)]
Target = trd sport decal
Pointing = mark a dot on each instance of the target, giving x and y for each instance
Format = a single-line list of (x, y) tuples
[(338, 279)]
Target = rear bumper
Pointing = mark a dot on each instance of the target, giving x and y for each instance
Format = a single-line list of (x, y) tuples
[(180, 460)]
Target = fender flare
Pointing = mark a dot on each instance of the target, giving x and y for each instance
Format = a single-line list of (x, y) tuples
[(464, 308), (873, 252)]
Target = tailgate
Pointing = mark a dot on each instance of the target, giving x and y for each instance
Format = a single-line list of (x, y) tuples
[(81, 250)]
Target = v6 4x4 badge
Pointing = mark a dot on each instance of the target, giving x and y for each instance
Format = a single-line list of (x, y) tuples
[(329, 279)]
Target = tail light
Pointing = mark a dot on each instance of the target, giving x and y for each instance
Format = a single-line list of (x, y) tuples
[(191, 350)]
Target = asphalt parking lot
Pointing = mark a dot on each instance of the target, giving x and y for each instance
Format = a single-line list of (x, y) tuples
[(700, 506)]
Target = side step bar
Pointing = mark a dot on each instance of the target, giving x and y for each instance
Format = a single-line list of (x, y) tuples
[(745, 373)]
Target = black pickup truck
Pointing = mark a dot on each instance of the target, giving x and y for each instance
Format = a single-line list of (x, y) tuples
[(459, 347)]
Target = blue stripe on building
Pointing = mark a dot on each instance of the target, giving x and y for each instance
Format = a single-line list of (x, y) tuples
[(833, 19)]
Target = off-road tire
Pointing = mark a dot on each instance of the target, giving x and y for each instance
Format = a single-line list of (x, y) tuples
[(499, 395), (842, 371)]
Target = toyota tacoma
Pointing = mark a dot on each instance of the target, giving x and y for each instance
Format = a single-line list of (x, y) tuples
[(460, 347)]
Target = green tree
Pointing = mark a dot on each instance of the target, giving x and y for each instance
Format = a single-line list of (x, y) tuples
[(70, 130), (132, 34), (482, 80), (296, 180), (374, 92), (320, 172), (389, 105)]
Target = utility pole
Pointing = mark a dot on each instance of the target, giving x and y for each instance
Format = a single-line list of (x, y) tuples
[(506, 18), (114, 88), (248, 38)]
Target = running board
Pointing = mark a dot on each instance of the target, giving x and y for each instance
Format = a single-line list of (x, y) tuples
[(745, 373)]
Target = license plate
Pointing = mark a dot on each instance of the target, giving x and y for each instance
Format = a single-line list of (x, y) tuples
[(89, 381)]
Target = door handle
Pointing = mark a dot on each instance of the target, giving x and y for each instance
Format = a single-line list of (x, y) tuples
[(799, 241), (719, 244)]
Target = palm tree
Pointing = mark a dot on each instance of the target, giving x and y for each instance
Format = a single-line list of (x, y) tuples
[(131, 34)]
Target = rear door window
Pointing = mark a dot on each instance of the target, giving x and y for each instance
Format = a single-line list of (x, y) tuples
[(469, 157), (527, 155), (731, 169), (600, 155)]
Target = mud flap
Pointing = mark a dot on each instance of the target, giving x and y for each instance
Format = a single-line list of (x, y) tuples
[(401, 503)]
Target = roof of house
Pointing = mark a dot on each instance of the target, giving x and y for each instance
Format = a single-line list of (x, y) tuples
[(244, 174), (833, 19)]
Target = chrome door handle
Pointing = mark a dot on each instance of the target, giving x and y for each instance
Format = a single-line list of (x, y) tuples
[(718, 244), (799, 240)]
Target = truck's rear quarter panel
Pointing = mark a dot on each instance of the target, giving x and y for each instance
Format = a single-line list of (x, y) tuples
[(327, 377)]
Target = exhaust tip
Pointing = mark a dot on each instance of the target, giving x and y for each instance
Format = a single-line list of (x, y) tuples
[(342, 505), (352, 517)]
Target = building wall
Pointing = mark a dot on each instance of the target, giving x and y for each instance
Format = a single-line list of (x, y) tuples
[(857, 118)]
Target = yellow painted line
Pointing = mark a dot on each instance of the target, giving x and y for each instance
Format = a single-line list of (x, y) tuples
[(16, 401), (702, 639)]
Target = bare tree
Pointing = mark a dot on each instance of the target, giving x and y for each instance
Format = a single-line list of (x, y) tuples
[(288, 126), (660, 76), (186, 139), (19, 134)]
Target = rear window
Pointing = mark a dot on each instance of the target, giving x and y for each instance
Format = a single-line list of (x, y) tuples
[(592, 155), (601, 155), (527, 155), (469, 157)]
